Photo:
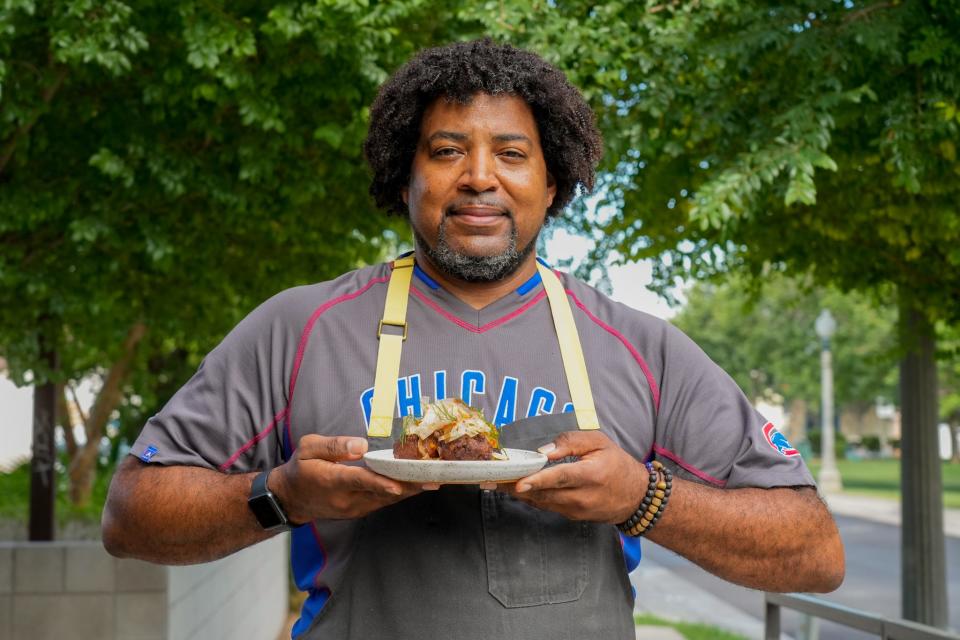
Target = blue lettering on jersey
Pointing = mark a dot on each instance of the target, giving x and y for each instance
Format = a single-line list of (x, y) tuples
[(148, 453), (366, 402), (541, 401), (439, 385), (408, 396), (471, 382), (507, 404)]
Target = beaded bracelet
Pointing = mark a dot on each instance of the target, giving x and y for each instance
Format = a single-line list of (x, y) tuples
[(654, 501)]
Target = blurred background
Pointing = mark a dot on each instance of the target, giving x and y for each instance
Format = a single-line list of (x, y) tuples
[(166, 166)]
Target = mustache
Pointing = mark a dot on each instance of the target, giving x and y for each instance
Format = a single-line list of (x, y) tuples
[(461, 203)]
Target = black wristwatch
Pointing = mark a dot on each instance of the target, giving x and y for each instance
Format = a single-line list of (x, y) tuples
[(265, 506)]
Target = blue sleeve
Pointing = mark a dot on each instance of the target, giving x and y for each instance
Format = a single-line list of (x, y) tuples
[(631, 552)]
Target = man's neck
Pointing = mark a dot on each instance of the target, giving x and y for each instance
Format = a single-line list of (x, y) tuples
[(479, 294)]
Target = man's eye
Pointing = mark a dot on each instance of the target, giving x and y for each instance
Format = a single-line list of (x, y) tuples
[(512, 153), (445, 151)]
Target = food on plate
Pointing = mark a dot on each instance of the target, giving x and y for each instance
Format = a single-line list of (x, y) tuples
[(448, 430)]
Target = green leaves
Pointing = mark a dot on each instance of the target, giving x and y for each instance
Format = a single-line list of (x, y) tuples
[(112, 166), (210, 38), (85, 31), (180, 163), (791, 135), (763, 334)]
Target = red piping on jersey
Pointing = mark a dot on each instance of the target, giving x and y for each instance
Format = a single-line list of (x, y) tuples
[(255, 439), (654, 389), (470, 327), (301, 348), (313, 319), (666, 453), (308, 328)]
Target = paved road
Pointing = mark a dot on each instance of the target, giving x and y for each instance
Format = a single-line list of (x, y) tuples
[(872, 582)]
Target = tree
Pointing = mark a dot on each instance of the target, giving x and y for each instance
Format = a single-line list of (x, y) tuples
[(164, 168), (765, 339), (815, 137)]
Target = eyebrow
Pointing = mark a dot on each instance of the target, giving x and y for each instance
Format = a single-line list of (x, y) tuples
[(461, 137)]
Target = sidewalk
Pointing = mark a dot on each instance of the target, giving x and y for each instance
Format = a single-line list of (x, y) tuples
[(662, 593), (885, 511)]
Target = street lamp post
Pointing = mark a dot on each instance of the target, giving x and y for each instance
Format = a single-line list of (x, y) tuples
[(829, 479)]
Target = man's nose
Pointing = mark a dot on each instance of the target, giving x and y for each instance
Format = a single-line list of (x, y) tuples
[(480, 173)]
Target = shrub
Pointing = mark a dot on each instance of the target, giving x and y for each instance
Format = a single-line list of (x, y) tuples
[(839, 443), (871, 443)]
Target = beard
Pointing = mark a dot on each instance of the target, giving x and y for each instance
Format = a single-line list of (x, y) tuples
[(475, 268)]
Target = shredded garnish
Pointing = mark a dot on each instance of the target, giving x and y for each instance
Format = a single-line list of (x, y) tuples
[(450, 419)]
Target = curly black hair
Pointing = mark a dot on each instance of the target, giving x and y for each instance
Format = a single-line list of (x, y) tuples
[(572, 145)]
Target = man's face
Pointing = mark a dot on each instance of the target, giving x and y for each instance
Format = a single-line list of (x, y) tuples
[(479, 187)]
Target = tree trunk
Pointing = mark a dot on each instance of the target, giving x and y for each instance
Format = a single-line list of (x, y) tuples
[(923, 575), (83, 467), (63, 418), (43, 472), (955, 442)]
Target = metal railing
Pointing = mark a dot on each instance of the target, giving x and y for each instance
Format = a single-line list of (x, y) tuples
[(885, 628)]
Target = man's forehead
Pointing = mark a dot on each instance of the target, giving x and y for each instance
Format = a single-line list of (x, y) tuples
[(507, 116)]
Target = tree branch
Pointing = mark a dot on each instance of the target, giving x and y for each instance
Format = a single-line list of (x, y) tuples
[(76, 403), (83, 464), (65, 423), (110, 394)]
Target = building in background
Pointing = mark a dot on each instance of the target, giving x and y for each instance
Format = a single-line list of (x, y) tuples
[(16, 420)]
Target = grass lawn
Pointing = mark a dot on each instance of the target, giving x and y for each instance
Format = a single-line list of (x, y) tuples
[(881, 478), (689, 630), (15, 496)]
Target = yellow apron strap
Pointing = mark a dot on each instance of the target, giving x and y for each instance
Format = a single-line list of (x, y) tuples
[(391, 345), (570, 350), (388, 355)]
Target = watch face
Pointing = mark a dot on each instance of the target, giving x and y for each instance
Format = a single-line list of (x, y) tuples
[(266, 512)]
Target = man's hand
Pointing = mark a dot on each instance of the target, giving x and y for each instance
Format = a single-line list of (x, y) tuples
[(312, 484), (605, 485)]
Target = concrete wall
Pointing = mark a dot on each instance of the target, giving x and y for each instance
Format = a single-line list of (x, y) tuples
[(76, 590)]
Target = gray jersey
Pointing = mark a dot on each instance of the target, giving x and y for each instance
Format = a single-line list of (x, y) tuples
[(303, 362)]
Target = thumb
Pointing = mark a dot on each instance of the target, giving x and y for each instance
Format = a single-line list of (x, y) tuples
[(331, 448)]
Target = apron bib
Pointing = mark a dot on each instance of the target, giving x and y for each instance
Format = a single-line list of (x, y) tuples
[(473, 564)]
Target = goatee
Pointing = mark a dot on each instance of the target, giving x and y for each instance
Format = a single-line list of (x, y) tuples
[(475, 268)]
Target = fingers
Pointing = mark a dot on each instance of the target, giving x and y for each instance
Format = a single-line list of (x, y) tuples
[(359, 479), (561, 476), (575, 443), (331, 448)]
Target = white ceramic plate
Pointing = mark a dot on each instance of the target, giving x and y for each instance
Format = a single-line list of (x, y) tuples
[(519, 464)]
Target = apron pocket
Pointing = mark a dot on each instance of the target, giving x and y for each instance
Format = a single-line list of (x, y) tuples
[(533, 556)]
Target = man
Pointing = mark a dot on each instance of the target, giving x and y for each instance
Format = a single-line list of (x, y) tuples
[(478, 143)]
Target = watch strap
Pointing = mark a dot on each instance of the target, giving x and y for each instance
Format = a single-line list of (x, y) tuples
[(265, 505)]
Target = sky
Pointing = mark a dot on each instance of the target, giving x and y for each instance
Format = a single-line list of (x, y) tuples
[(629, 281)]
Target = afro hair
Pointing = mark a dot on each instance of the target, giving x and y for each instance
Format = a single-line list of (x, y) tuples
[(572, 145)]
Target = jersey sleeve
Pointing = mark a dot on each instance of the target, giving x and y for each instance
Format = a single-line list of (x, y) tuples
[(229, 415), (709, 430)]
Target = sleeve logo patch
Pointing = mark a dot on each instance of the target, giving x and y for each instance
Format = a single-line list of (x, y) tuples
[(148, 453), (778, 441)]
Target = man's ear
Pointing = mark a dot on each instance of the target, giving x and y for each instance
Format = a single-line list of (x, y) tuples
[(551, 189), (405, 194)]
